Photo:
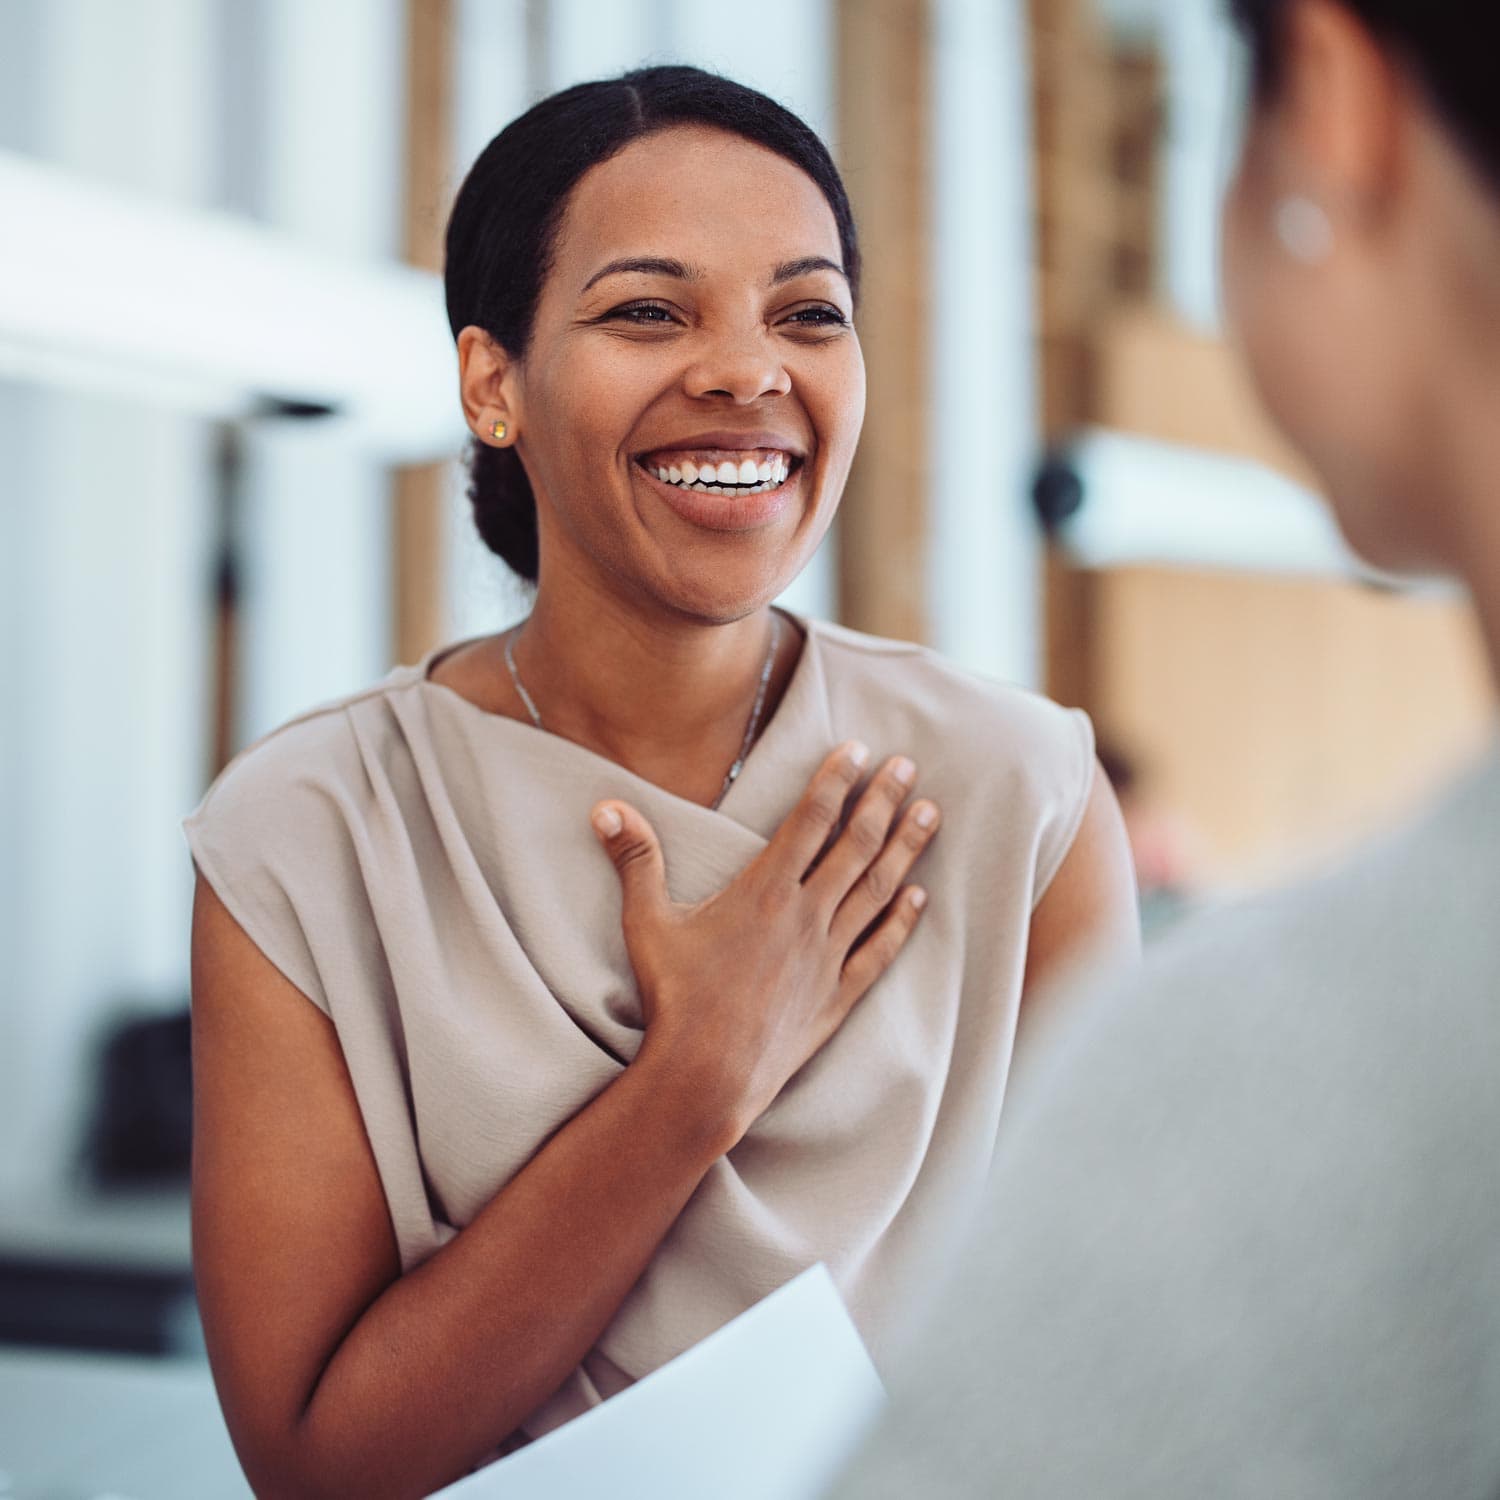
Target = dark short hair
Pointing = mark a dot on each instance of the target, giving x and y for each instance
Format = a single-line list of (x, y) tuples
[(1442, 41), (503, 230)]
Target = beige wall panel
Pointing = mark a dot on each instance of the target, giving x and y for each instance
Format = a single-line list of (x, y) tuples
[(418, 492), (1284, 718), (1154, 377)]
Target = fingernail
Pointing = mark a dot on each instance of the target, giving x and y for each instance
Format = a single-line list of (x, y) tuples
[(859, 755), (903, 770), (926, 815), (608, 822), (918, 897)]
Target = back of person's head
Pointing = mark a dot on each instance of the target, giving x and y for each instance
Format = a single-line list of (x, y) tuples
[(1362, 258), (505, 222), (1448, 44)]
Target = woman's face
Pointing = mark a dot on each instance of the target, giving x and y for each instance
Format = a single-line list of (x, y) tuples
[(1320, 354), (695, 321)]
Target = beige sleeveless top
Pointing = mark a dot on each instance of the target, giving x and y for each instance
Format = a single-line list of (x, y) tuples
[(424, 872)]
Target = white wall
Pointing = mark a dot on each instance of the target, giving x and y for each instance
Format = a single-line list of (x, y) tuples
[(326, 125), (1205, 83), (103, 531), (983, 586), (106, 511)]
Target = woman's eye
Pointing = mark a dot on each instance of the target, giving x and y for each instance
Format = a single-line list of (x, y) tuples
[(818, 317), (641, 313)]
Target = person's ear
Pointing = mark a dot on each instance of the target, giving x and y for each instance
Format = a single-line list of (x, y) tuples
[(487, 382), (1340, 110)]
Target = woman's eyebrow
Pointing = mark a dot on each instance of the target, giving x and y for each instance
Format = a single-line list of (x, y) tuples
[(659, 265), (648, 265), (789, 270)]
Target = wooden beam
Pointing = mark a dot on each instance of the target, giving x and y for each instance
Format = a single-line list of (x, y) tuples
[(884, 51), (1071, 113), (419, 492)]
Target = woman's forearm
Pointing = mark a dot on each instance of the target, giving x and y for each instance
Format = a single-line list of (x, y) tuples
[(456, 1354)]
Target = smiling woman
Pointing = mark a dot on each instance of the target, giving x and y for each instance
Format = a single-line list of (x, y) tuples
[(556, 1110)]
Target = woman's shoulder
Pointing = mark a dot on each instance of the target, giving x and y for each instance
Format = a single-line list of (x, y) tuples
[(307, 760), (281, 833), (929, 694), (1005, 755)]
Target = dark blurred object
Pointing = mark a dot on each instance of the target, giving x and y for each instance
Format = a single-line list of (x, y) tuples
[(51, 1302), (142, 1129), (104, 1263), (1118, 767), (1057, 490)]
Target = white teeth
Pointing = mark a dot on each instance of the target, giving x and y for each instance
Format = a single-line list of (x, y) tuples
[(738, 489), (727, 477)]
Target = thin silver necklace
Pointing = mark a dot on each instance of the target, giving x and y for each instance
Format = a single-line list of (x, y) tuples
[(750, 728)]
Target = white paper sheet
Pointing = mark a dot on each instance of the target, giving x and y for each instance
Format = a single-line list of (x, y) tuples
[(767, 1408)]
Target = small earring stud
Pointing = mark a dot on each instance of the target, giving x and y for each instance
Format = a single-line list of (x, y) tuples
[(1304, 229), (498, 431)]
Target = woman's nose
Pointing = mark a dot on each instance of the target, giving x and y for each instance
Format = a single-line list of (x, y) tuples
[(743, 369)]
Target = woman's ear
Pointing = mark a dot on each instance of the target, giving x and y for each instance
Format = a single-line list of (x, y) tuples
[(487, 377), (1341, 106)]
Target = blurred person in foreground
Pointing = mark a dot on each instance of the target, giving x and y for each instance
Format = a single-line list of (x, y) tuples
[(1243, 1235)]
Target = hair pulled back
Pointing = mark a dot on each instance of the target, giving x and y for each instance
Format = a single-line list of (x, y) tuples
[(1441, 40), (503, 229)]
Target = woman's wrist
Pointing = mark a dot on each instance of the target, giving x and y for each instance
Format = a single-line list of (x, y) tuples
[(697, 1092)]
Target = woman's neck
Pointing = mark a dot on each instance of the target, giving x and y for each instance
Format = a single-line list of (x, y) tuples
[(668, 698)]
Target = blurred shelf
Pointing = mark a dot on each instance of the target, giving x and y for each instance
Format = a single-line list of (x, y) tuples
[(103, 1272), (137, 1229)]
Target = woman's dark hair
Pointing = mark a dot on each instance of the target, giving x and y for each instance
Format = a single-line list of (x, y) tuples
[(1442, 41), (503, 230)]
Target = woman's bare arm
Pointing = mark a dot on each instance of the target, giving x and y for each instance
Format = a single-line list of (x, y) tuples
[(1091, 907), (340, 1376)]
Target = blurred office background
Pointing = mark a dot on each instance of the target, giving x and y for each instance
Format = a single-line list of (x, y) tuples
[(228, 426)]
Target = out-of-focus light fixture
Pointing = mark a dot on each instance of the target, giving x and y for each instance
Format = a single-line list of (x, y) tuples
[(109, 293), (1114, 500)]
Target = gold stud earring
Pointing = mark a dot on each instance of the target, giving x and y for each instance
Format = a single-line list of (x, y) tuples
[(498, 431)]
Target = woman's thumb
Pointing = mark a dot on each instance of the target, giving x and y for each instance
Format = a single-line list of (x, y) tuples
[(632, 845)]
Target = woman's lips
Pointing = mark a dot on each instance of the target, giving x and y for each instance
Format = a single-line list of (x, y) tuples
[(728, 512)]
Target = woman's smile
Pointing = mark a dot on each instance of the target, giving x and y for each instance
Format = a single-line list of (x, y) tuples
[(726, 491), (726, 480)]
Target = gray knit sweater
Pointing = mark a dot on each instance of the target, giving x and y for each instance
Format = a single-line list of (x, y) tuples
[(1243, 1235)]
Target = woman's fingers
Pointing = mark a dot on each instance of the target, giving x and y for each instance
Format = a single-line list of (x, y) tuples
[(633, 848), (859, 846), (872, 893), (796, 844), (878, 951)]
